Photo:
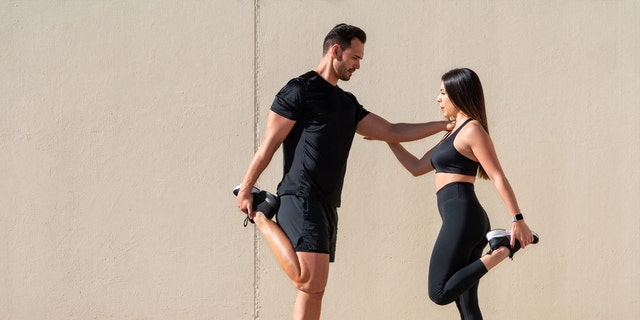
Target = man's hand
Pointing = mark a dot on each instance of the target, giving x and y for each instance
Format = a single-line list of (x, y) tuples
[(451, 125), (245, 201)]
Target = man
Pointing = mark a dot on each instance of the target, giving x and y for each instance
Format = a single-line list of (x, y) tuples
[(316, 121)]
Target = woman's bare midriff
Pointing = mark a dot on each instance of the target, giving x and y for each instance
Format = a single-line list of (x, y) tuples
[(442, 179)]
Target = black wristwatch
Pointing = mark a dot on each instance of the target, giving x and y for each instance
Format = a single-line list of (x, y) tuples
[(517, 217)]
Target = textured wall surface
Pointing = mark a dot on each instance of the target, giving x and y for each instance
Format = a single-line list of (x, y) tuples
[(125, 124)]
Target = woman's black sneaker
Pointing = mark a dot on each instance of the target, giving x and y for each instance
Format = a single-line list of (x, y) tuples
[(502, 238), (263, 201)]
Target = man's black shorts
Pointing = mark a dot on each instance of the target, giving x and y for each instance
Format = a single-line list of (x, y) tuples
[(311, 225)]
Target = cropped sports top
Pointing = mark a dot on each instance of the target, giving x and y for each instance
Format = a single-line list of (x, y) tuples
[(445, 158)]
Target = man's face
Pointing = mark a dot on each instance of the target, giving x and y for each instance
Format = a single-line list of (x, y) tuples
[(348, 60)]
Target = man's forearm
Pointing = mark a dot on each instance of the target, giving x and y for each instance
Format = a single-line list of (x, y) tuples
[(259, 163)]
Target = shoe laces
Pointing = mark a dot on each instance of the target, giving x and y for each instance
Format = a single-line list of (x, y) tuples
[(246, 221)]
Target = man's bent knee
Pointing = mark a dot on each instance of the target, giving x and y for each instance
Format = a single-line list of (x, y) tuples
[(309, 287), (314, 270)]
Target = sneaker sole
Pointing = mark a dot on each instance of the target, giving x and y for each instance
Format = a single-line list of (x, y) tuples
[(254, 190), (272, 200), (497, 233)]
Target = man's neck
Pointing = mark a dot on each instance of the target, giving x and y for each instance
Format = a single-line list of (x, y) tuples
[(325, 70)]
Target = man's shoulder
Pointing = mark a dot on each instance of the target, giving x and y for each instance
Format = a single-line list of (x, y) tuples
[(349, 95), (292, 99), (300, 83), (309, 80)]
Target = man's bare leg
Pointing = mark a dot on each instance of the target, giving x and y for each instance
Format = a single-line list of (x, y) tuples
[(315, 272), (308, 271)]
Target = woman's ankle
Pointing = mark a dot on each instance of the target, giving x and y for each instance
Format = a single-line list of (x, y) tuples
[(492, 259)]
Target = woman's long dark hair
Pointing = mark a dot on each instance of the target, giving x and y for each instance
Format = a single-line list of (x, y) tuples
[(465, 91)]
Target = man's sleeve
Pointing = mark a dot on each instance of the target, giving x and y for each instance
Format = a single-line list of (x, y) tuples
[(361, 111), (290, 101)]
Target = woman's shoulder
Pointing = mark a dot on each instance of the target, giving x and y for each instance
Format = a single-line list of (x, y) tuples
[(472, 132), (473, 126)]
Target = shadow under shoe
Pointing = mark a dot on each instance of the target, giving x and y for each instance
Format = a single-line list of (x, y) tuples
[(263, 201), (502, 238)]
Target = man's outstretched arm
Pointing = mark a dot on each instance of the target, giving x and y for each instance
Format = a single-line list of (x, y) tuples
[(375, 127)]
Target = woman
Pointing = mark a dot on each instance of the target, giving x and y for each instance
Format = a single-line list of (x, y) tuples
[(457, 262)]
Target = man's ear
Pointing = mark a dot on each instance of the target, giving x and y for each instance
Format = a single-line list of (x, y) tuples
[(336, 51)]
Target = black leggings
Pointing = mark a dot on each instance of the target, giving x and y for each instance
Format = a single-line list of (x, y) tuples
[(455, 269)]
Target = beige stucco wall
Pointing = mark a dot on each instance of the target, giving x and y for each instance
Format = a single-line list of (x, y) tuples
[(124, 125)]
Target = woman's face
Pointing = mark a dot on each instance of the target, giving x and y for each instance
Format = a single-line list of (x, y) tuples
[(447, 107)]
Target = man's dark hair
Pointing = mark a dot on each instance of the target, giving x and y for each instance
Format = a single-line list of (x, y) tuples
[(342, 34)]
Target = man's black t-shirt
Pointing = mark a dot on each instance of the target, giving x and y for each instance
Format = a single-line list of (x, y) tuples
[(317, 148)]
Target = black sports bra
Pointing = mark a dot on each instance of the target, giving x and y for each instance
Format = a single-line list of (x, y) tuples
[(445, 158)]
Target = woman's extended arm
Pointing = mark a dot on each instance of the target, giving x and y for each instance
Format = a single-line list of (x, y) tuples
[(414, 165), (483, 149)]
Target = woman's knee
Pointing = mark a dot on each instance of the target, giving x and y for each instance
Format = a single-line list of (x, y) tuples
[(439, 300), (437, 296)]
